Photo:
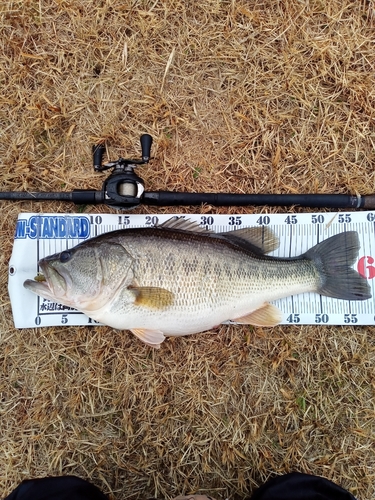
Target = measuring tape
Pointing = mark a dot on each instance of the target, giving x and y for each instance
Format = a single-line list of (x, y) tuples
[(39, 235)]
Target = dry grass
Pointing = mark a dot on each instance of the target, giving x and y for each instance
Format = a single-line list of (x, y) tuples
[(240, 96)]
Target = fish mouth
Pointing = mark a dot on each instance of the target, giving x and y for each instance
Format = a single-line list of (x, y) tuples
[(50, 285), (40, 288)]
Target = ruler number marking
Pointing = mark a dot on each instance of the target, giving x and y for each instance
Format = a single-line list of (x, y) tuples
[(263, 220), (207, 220), (96, 220), (321, 318), (291, 219), (350, 318), (344, 218), (123, 220), (293, 318), (317, 219), (235, 220), (151, 220), (367, 271)]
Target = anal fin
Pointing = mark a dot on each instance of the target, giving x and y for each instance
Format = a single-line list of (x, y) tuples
[(152, 338), (267, 315)]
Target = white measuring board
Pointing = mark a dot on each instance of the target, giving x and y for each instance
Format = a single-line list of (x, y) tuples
[(39, 235)]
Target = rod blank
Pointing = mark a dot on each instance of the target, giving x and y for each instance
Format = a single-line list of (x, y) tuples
[(170, 198)]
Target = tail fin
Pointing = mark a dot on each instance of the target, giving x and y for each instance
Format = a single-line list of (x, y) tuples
[(333, 259)]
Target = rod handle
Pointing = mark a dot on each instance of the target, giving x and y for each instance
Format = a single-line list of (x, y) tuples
[(368, 201)]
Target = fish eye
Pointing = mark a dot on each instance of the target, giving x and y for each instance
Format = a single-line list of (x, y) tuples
[(65, 256)]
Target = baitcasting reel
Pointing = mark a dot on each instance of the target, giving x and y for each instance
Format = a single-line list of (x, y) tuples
[(123, 185)]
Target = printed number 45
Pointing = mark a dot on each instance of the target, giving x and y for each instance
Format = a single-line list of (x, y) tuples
[(293, 318)]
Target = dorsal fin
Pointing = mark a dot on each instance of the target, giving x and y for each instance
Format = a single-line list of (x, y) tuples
[(259, 239), (183, 224)]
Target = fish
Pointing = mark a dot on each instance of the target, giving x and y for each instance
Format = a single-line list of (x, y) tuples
[(178, 278)]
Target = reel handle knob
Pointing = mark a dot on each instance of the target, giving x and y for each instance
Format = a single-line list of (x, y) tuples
[(98, 151), (146, 143)]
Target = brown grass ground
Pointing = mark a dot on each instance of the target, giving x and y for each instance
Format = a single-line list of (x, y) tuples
[(240, 96)]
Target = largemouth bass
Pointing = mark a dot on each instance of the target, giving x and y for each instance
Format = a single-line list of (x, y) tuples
[(176, 280)]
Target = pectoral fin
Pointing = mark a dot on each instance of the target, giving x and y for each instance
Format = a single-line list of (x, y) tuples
[(267, 315), (152, 338), (152, 297)]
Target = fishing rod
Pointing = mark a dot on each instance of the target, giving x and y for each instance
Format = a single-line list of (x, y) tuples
[(125, 190)]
